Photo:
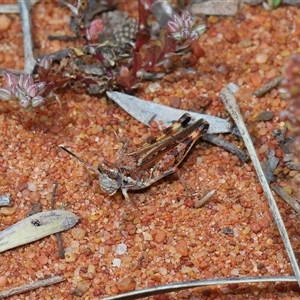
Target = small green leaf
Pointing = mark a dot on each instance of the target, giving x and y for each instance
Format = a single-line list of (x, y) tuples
[(271, 4)]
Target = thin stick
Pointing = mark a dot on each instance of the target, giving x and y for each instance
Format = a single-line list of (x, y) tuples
[(60, 245), (53, 195), (179, 286), (286, 197), (225, 145), (230, 103), (267, 87), (13, 8), (204, 199), (162, 11), (56, 56), (9, 9), (30, 62), (31, 286)]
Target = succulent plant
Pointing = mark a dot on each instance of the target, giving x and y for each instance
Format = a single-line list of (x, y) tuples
[(24, 90), (184, 29), (31, 92)]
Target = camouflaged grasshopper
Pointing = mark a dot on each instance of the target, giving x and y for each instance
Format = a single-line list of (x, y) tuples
[(157, 157)]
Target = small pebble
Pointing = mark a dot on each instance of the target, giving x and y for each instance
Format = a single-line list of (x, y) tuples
[(154, 87), (245, 43), (121, 248), (3, 280), (262, 149), (82, 288), (31, 187), (259, 189), (182, 248), (126, 284), (261, 58), (288, 189), (91, 269), (116, 262), (70, 256), (175, 102), (163, 271), (233, 87), (185, 269), (5, 22), (147, 236), (246, 231), (5, 199), (160, 236), (264, 222), (256, 79), (285, 53), (255, 227), (265, 116), (213, 19), (22, 186), (35, 196), (42, 259), (235, 272), (189, 203), (78, 233), (262, 131), (8, 211)]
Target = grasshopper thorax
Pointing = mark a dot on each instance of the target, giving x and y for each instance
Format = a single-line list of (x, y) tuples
[(110, 178)]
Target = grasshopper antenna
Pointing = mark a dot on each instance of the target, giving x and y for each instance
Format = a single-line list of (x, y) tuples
[(81, 160)]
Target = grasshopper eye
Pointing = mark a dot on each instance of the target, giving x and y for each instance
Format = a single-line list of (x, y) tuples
[(109, 169)]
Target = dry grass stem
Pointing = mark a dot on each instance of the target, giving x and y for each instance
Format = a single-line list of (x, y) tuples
[(31, 286), (231, 105)]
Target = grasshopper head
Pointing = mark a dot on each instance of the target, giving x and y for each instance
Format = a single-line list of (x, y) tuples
[(110, 178)]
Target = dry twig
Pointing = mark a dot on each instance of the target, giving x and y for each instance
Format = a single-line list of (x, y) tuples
[(225, 145), (267, 87), (179, 286), (30, 62), (286, 197), (231, 105), (31, 286), (204, 199), (61, 251)]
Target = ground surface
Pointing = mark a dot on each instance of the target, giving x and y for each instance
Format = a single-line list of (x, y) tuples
[(167, 239)]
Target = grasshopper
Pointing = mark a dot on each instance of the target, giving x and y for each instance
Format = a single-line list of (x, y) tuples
[(157, 157)]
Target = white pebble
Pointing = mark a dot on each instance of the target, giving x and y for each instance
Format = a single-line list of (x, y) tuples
[(199, 160), (31, 187), (235, 232), (154, 87), (233, 87), (121, 249), (279, 256), (163, 271), (116, 262), (147, 236), (261, 58), (235, 272)]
